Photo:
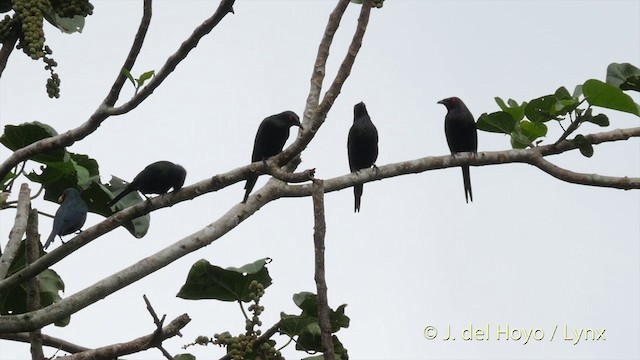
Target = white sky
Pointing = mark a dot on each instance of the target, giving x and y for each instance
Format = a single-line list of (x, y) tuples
[(531, 251)]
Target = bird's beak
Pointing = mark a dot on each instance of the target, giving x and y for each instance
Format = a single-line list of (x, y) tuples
[(299, 125), (441, 102), (61, 198)]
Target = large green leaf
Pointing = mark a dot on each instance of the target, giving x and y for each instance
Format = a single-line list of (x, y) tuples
[(623, 76), (608, 96), (18, 136), (499, 122), (206, 281)]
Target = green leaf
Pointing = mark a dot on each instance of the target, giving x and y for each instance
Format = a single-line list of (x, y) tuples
[(623, 76), (577, 92), (514, 109), (563, 94), (87, 170), (533, 131), (541, 109), (583, 145), (563, 107), (144, 77), (66, 25), (608, 96), (18, 136), (206, 281), (55, 178), (519, 140), (126, 73), (600, 119), (499, 122)]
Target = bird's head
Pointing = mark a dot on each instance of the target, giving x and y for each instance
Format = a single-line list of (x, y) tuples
[(359, 109), (451, 102), (291, 119), (68, 193), (180, 176)]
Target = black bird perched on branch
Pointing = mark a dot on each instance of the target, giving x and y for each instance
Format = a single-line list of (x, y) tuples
[(272, 133), (462, 135), (70, 216), (362, 146), (156, 178)]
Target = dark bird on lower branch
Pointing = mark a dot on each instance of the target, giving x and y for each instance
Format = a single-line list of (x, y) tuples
[(272, 133), (462, 135), (70, 216), (362, 146), (156, 178)]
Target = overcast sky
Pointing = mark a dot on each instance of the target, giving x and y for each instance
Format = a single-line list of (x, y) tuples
[(531, 252)]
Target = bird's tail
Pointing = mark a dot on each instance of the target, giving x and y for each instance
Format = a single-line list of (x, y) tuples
[(120, 196), (50, 240), (466, 178), (357, 192), (251, 182)]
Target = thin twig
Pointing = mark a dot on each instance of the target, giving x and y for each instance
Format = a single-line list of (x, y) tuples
[(133, 346), (320, 229)]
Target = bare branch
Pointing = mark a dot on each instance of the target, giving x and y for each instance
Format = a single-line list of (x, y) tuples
[(33, 285), (136, 47), (19, 228), (625, 183), (320, 229), (321, 59), (133, 346), (47, 340), (288, 177), (317, 117), (225, 7)]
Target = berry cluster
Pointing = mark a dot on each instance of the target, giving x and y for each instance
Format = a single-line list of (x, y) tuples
[(30, 14), (377, 3), (71, 8), (27, 22), (246, 346)]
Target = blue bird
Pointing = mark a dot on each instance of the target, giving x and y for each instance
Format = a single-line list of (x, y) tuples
[(70, 216)]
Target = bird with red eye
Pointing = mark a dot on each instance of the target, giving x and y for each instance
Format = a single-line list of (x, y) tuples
[(462, 135), (272, 133)]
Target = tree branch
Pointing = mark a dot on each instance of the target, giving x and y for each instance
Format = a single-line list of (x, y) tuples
[(133, 346), (317, 76), (33, 285), (237, 214), (136, 47), (318, 114), (19, 228), (320, 229), (47, 340), (8, 45)]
